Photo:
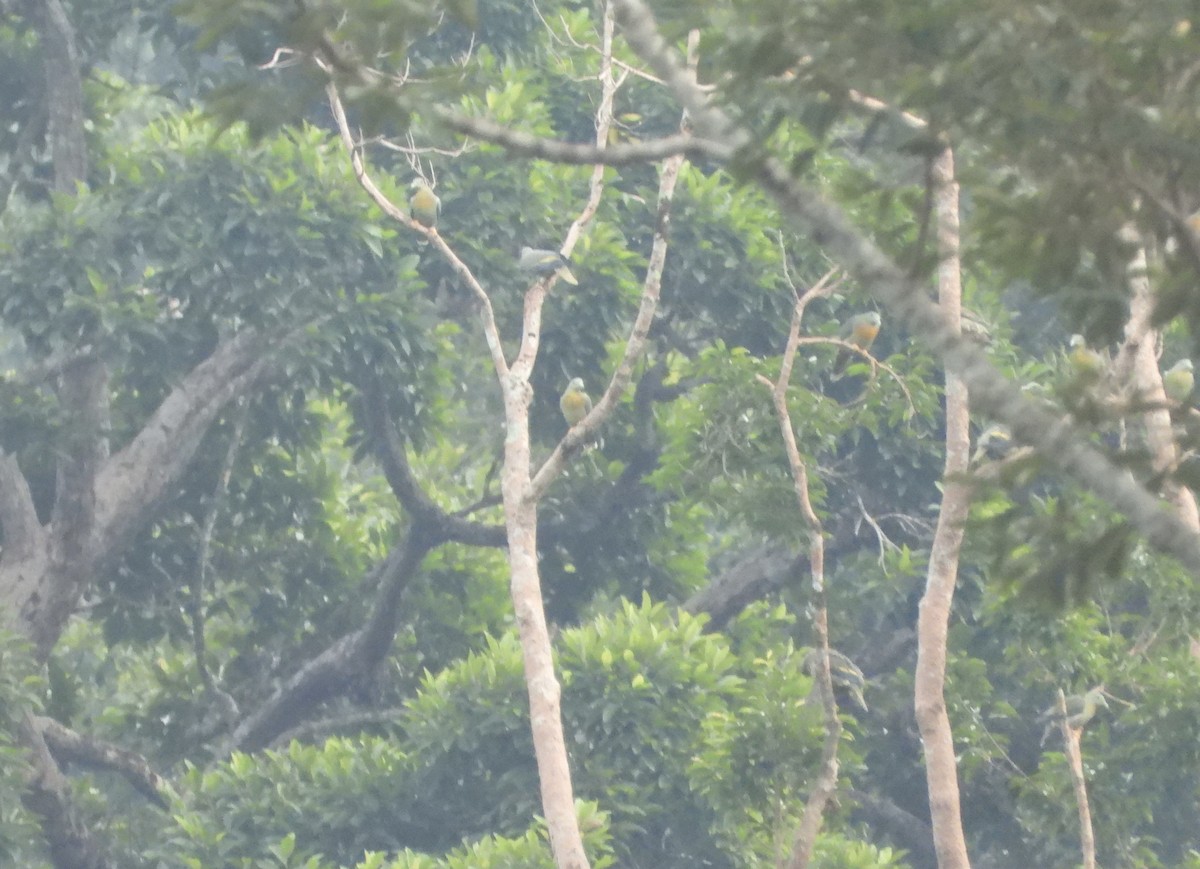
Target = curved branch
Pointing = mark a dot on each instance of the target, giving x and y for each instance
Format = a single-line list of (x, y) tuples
[(389, 449), (335, 669), (762, 571), (69, 745)]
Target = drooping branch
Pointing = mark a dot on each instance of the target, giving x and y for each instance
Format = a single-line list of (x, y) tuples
[(933, 621), (69, 745), (1057, 439)]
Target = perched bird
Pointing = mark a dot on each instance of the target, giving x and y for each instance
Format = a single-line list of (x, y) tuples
[(844, 673), (423, 204), (574, 403), (545, 262), (976, 328), (1081, 708), (994, 442), (861, 331), (1088, 364), (1179, 381)]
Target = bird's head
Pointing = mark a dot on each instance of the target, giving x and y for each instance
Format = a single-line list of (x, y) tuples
[(1076, 342), (576, 385), (419, 183), (1183, 365)]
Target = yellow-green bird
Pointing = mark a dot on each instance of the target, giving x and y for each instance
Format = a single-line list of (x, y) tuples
[(423, 204), (1179, 381), (860, 330), (545, 262), (1081, 708), (843, 672), (994, 443), (574, 403), (1088, 364)]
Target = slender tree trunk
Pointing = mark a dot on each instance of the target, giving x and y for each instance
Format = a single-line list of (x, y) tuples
[(941, 772), (545, 713)]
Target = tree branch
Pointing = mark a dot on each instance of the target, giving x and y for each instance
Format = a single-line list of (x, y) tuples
[(345, 660), (69, 745), (393, 458), (134, 479), (47, 794), (582, 433), (392, 210)]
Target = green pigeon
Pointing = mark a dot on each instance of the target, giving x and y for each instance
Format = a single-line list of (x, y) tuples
[(1178, 381), (1088, 364), (861, 331), (1081, 708), (423, 204), (545, 262), (574, 403), (843, 672), (994, 442)]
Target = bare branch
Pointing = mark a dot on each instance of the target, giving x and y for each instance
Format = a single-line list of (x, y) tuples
[(1136, 364), (651, 285), (133, 480), (392, 210), (390, 450), (531, 333), (826, 780), (200, 576)]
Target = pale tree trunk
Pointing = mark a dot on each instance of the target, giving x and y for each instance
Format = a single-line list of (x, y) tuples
[(941, 773), (1087, 838)]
